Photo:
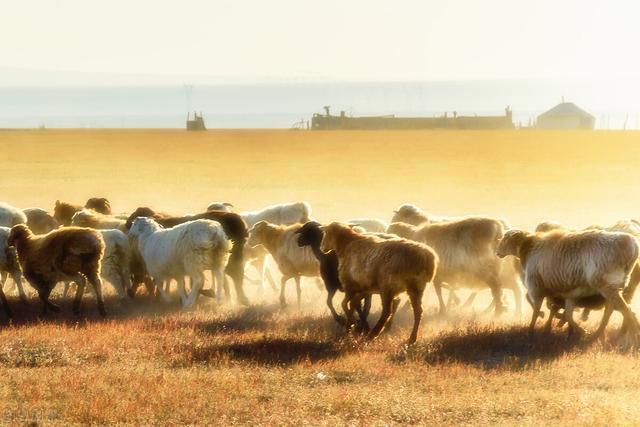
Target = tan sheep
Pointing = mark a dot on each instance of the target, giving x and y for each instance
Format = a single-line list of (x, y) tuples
[(282, 243), (466, 249), (574, 265), (372, 265), (67, 254)]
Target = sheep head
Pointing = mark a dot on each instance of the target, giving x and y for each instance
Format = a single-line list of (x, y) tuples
[(99, 204), (140, 212), (220, 206), (545, 226), (511, 243), (410, 214), (334, 233), (310, 234), (234, 227), (142, 226), (19, 234), (256, 233), (401, 229)]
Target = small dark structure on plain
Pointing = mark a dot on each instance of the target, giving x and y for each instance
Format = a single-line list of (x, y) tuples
[(197, 123), (566, 115), (327, 121)]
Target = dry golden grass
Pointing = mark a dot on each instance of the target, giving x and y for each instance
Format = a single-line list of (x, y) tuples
[(262, 365)]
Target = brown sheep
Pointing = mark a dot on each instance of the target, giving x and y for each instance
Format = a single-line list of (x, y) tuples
[(371, 265), (466, 249), (282, 243), (40, 221), (234, 227), (63, 211), (66, 254), (573, 265), (99, 204), (92, 219)]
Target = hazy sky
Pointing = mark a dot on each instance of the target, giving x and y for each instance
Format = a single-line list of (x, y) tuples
[(329, 39)]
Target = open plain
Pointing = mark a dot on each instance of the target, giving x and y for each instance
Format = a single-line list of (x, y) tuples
[(223, 365)]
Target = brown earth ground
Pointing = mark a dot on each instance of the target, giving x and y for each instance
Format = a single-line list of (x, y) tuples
[(150, 364)]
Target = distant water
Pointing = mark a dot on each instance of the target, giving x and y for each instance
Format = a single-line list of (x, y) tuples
[(281, 105)]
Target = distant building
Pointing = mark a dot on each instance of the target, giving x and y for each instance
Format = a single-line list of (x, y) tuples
[(197, 123), (328, 122), (566, 115)]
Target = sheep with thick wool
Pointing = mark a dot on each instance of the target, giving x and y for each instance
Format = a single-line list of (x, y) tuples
[(40, 221), (9, 266), (371, 265), (66, 254), (466, 249), (10, 215), (574, 265), (282, 243), (188, 249)]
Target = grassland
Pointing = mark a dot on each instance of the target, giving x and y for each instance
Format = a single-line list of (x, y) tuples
[(227, 365)]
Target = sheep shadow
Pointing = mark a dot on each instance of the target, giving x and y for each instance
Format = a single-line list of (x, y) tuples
[(272, 351), (495, 347), (29, 312)]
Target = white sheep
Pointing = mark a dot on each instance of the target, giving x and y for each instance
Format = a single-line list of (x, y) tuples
[(10, 215), (280, 214), (92, 219), (9, 265), (187, 249), (115, 262), (220, 206), (372, 225), (575, 265)]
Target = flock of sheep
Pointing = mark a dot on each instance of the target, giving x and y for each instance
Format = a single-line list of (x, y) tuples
[(590, 269)]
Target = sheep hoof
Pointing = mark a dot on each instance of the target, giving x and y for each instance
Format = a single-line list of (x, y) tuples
[(244, 301), (54, 308), (209, 293)]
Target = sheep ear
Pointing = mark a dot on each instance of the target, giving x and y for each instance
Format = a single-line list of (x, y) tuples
[(228, 204), (57, 203), (395, 211), (323, 227)]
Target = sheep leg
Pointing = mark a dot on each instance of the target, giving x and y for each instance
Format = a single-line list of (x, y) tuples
[(387, 307), (553, 309), (536, 304), (612, 295), (496, 292), (470, 300), (238, 286), (161, 291), (3, 279), (574, 328), (348, 311), (117, 282), (283, 282), (220, 284), (80, 284), (585, 314), (3, 298), (437, 286), (334, 313), (181, 291), (394, 308), (416, 303), (197, 281), (630, 289), (298, 292), (608, 310), (363, 313), (96, 283), (517, 296)]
